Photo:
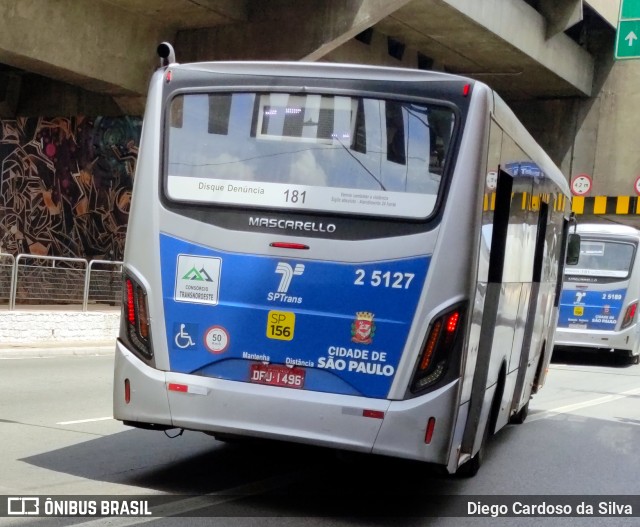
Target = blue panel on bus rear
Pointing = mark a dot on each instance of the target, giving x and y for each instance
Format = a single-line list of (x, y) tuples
[(344, 324), (598, 310)]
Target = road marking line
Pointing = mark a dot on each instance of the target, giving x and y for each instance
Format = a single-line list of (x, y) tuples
[(585, 404), (84, 421)]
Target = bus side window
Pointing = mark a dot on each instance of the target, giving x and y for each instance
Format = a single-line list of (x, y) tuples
[(219, 112), (573, 249), (395, 133), (177, 111)]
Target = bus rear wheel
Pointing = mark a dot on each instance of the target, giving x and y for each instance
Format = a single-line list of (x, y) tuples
[(471, 467), (520, 416), (634, 359)]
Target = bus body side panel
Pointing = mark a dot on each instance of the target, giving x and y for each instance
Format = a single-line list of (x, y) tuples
[(142, 249), (405, 424), (506, 401), (452, 275), (149, 402), (519, 313), (521, 321)]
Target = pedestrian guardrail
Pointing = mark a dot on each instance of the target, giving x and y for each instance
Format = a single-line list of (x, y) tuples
[(32, 280), (103, 283), (7, 263)]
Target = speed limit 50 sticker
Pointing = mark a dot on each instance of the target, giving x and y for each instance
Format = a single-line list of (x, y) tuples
[(216, 339)]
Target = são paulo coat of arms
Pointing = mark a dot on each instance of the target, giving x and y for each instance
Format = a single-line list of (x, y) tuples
[(363, 329)]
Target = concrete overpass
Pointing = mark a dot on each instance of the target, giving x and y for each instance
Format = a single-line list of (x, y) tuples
[(106, 46), (550, 59)]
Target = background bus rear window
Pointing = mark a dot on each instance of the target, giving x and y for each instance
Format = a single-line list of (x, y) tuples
[(605, 259)]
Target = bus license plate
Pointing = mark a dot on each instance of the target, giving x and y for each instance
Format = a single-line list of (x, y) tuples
[(277, 375)]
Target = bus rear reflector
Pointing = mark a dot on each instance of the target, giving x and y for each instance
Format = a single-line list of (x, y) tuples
[(429, 433), (174, 387), (374, 414), (629, 315), (127, 391)]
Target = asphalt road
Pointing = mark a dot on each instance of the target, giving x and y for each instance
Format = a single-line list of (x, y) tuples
[(58, 438)]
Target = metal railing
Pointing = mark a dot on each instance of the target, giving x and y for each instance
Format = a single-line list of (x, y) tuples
[(103, 284), (31, 280), (7, 264)]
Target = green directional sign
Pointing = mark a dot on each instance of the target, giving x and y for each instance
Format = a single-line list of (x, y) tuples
[(628, 35), (629, 9)]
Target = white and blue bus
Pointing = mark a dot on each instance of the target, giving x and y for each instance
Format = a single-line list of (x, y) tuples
[(362, 258), (599, 302)]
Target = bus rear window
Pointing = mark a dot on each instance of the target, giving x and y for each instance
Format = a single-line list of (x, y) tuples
[(308, 152), (603, 259)]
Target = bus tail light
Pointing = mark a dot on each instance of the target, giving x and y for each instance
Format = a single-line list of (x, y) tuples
[(629, 315), (137, 317), (143, 317), (442, 339)]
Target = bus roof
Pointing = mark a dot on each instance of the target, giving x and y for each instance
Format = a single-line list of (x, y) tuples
[(509, 121), (325, 69), (605, 228)]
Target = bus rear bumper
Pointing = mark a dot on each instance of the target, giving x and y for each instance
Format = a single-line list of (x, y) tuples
[(237, 408), (626, 340)]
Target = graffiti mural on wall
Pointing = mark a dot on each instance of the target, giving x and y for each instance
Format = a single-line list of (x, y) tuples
[(65, 185)]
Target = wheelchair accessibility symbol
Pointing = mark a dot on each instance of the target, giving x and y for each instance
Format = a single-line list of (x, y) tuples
[(183, 339)]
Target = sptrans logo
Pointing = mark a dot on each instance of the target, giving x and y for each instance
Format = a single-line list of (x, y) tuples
[(287, 273)]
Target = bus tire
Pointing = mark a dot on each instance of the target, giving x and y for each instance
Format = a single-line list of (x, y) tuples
[(520, 416), (470, 468)]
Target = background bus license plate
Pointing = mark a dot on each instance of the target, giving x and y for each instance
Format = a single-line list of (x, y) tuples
[(277, 375)]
